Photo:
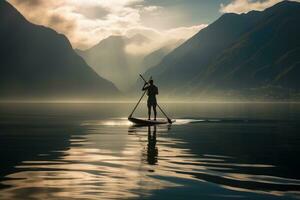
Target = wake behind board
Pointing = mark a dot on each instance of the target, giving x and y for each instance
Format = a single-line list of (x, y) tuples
[(147, 122)]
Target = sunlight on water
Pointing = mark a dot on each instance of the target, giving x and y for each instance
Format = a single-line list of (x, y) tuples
[(125, 122), (187, 121), (112, 122)]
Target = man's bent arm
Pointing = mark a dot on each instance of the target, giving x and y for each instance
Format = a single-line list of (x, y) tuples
[(145, 87)]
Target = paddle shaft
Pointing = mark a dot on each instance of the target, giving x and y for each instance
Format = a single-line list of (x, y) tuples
[(138, 102), (169, 120)]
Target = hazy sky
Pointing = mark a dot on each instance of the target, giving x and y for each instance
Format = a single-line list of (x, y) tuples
[(86, 22)]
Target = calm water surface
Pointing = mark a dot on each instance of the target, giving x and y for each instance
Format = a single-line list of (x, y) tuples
[(90, 151)]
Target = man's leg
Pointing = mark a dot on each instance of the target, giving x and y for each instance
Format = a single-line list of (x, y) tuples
[(154, 109), (149, 112)]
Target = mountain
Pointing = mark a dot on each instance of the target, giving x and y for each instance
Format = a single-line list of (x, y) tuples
[(138, 39), (111, 59), (155, 57), (237, 53), (37, 62)]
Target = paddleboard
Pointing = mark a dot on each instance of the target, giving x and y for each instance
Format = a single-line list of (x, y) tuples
[(147, 122)]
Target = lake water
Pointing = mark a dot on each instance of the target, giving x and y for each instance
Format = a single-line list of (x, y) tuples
[(90, 151)]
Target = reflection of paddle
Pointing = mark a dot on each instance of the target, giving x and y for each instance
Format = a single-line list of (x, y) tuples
[(169, 120)]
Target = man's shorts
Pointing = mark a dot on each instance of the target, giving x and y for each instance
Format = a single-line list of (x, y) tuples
[(151, 102)]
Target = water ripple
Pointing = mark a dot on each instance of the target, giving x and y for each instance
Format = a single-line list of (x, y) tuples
[(124, 163)]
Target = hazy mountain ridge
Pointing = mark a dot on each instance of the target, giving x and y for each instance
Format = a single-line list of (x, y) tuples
[(155, 57), (111, 58), (236, 53), (37, 62)]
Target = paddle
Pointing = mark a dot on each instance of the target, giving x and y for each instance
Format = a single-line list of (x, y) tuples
[(169, 120), (138, 103)]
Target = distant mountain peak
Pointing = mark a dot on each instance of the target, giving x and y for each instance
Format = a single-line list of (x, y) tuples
[(115, 37), (139, 39), (116, 41)]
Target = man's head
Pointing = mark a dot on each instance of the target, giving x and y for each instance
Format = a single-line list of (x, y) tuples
[(151, 82)]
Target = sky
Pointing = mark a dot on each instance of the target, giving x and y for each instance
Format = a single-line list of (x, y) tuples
[(87, 22)]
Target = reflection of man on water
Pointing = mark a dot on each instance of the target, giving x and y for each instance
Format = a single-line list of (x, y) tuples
[(152, 91), (152, 151)]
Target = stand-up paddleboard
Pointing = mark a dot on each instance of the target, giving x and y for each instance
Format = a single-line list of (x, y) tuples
[(147, 122), (138, 121)]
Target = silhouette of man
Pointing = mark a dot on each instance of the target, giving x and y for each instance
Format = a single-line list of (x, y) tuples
[(152, 91)]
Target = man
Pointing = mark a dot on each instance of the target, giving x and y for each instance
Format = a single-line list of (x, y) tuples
[(152, 91)]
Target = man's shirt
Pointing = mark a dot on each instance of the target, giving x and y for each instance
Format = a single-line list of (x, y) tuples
[(152, 90)]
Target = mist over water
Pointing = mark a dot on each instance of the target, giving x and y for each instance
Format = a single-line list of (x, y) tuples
[(91, 151)]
